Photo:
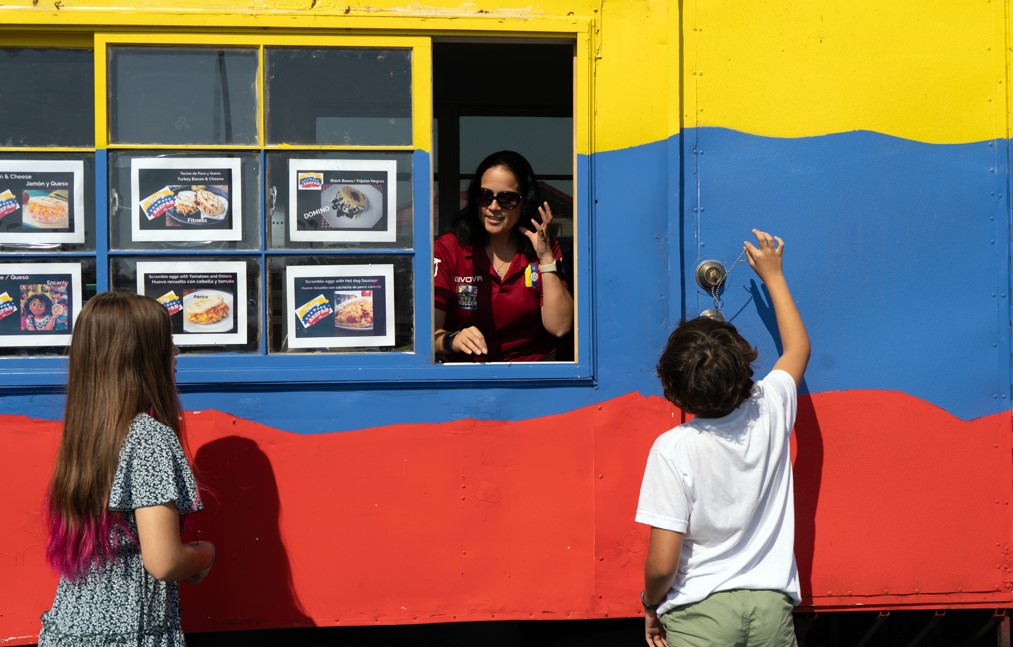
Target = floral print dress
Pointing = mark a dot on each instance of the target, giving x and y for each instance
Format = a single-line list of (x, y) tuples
[(118, 602)]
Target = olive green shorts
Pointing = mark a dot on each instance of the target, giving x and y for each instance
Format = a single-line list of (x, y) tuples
[(739, 618)]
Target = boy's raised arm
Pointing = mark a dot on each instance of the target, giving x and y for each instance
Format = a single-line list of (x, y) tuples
[(765, 259)]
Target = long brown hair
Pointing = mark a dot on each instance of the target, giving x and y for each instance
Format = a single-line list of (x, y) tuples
[(121, 364)]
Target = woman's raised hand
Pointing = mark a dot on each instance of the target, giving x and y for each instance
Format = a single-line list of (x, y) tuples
[(539, 236)]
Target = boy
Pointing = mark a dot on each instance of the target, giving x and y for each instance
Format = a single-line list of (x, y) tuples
[(717, 490)]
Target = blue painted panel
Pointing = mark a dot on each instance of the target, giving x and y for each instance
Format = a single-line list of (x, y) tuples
[(896, 254)]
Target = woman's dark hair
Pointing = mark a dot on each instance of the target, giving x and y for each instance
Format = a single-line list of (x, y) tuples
[(467, 225), (706, 369), (41, 298)]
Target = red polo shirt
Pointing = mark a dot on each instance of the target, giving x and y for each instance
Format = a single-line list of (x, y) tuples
[(507, 311)]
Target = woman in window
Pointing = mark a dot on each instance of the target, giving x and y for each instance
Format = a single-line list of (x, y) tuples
[(500, 294)]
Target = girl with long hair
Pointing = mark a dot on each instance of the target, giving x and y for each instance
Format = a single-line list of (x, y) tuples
[(121, 484), (500, 295)]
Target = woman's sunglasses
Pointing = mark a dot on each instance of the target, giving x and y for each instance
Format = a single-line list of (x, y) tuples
[(505, 199)]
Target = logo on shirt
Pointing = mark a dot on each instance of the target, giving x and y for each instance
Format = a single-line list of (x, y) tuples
[(467, 296), (468, 279)]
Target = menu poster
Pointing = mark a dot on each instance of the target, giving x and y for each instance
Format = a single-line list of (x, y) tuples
[(340, 306), (186, 198), (41, 201), (39, 303), (206, 301), (350, 201)]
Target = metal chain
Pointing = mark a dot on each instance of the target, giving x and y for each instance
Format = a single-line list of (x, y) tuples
[(716, 288)]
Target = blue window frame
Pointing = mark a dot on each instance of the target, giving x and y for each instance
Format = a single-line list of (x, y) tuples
[(108, 254)]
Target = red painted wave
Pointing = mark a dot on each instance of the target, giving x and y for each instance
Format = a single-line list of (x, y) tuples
[(897, 503)]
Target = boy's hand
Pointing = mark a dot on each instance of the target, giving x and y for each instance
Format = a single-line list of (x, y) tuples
[(796, 348), (654, 631), (766, 258)]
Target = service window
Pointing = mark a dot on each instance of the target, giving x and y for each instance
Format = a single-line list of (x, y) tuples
[(534, 118)]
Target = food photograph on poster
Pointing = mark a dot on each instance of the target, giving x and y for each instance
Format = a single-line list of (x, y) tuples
[(39, 303), (205, 300), (41, 201), (342, 200), (340, 306), (186, 199)]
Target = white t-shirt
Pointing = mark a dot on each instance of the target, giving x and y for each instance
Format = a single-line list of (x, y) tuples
[(726, 484)]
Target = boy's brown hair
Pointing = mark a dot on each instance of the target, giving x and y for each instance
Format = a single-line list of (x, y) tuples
[(706, 368)]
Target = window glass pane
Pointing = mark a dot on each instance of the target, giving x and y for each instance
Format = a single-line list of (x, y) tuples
[(161, 95), (546, 142), (48, 97), (20, 232), (341, 303), (332, 225), (339, 96), (185, 284), (140, 219)]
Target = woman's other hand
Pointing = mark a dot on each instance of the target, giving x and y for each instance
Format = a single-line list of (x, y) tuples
[(470, 341)]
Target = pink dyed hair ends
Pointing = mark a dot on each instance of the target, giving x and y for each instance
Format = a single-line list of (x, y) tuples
[(71, 548)]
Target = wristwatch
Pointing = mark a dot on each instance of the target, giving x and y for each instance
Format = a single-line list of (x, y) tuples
[(448, 341), (550, 268), (648, 607)]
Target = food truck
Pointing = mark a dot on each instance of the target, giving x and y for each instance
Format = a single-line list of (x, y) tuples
[(275, 174)]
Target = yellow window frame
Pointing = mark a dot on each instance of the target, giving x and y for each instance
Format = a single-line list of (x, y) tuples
[(421, 67)]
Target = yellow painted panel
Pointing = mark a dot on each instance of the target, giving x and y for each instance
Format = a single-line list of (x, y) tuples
[(636, 73), (514, 16), (926, 70), (929, 70)]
